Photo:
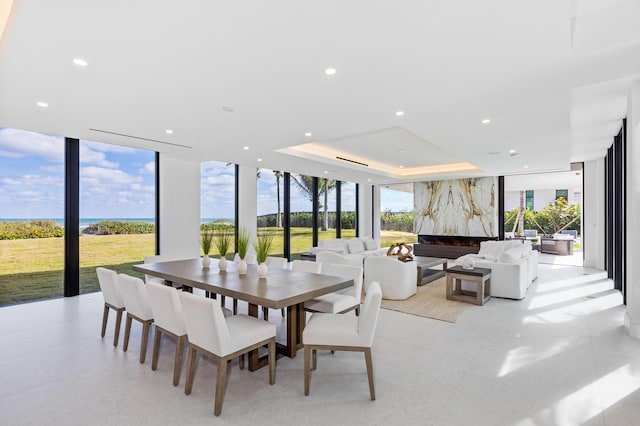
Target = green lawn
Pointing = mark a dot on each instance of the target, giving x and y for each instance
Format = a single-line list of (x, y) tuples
[(32, 269)]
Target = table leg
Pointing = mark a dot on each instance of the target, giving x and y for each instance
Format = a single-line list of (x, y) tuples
[(292, 330), (254, 359)]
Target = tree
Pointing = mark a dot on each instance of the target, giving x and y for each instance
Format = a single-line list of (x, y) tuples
[(557, 217), (305, 183)]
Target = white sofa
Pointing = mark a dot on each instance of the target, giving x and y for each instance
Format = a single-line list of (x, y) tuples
[(513, 264), (361, 247), (327, 258)]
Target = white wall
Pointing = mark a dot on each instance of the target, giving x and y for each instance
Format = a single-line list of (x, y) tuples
[(179, 207), (593, 215), (367, 226), (632, 316), (247, 200)]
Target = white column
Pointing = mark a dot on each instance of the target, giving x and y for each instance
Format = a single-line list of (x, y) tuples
[(632, 316), (247, 200), (593, 214), (366, 203), (179, 207)]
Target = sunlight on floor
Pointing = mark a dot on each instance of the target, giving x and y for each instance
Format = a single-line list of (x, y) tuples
[(526, 355)]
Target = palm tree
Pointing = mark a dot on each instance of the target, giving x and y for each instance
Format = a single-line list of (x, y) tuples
[(327, 184), (305, 183)]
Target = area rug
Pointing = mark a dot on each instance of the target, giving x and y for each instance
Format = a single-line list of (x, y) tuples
[(430, 302)]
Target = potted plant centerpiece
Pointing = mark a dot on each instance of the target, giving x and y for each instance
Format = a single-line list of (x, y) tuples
[(222, 242), (206, 238), (263, 245), (243, 245)]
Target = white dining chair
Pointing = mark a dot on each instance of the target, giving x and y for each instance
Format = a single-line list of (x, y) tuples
[(251, 259), (341, 301), (338, 332), (110, 289), (304, 266), (136, 301), (222, 339), (167, 315), (273, 262), (161, 258)]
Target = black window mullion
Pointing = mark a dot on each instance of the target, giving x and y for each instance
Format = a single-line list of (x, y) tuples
[(338, 220), (314, 219), (286, 214), (72, 218)]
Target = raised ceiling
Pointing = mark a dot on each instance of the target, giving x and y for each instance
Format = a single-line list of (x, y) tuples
[(552, 77)]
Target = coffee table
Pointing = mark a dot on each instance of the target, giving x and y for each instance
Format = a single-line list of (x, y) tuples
[(481, 277), (425, 265)]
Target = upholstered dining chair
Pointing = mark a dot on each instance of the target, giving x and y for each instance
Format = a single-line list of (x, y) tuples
[(110, 289), (305, 266), (273, 262), (341, 301), (167, 315), (222, 339), (136, 300), (251, 259), (161, 258), (337, 332)]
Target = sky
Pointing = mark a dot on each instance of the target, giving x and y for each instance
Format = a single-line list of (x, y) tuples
[(119, 182)]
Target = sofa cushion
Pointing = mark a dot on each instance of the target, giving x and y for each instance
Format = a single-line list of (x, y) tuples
[(490, 249), (512, 255), (370, 243), (333, 245), (355, 245)]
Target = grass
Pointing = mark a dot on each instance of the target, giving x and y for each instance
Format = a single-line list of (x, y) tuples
[(32, 269)]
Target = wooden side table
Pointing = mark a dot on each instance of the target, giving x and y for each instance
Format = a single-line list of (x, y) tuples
[(481, 277)]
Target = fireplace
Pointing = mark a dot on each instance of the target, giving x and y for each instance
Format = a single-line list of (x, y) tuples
[(447, 246)]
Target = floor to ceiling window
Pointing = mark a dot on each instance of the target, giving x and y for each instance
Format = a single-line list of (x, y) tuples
[(217, 203), (301, 218), (31, 216), (396, 214), (270, 202), (117, 209)]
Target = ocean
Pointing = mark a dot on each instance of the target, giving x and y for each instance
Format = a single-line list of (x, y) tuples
[(84, 222)]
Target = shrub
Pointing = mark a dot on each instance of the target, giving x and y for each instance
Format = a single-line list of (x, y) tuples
[(113, 227), (32, 229)]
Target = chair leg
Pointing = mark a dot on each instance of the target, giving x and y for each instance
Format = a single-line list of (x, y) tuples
[(241, 362), (282, 312), (127, 332), (116, 334), (367, 357), (222, 300), (191, 370), (272, 362), (314, 354), (265, 313), (307, 371), (156, 349), (235, 306), (105, 317), (177, 364), (145, 340), (358, 311), (221, 382)]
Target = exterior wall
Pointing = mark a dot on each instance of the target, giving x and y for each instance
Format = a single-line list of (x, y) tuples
[(593, 215), (541, 198), (179, 207)]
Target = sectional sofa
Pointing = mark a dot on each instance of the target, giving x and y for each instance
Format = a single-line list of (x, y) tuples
[(361, 247)]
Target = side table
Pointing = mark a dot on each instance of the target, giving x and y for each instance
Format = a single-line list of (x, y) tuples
[(481, 277)]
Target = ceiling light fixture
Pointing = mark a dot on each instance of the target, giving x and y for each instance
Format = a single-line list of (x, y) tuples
[(42, 104), (368, 180), (512, 151), (486, 121), (259, 160), (399, 113), (308, 134), (169, 131), (330, 71), (526, 167), (80, 62), (246, 148), (326, 172)]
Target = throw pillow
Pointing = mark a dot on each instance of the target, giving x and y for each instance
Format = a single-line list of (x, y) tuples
[(355, 245), (370, 243), (512, 255)]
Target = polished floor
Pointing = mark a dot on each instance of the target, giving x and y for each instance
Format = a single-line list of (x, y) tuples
[(559, 357)]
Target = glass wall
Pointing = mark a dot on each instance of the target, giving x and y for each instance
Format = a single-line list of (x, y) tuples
[(348, 221), (270, 204), (31, 216), (217, 203), (301, 204), (327, 209), (396, 211), (117, 209)]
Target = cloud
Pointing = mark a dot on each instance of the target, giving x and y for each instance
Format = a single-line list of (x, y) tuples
[(19, 143), (89, 156), (105, 147), (33, 180), (149, 168), (92, 175)]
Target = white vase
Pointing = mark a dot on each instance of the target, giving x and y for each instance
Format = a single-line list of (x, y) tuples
[(262, 270), (222, 263), (242, 267), (206, 261)]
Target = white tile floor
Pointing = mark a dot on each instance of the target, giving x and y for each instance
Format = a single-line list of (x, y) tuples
[(558, 357)]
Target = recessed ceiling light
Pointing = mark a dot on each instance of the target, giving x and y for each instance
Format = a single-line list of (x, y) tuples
[(326, 171), (330, 71), (42, 104), (402, 167), (80, 62), (246, 148), (259, 160), (512, 151), (368, 180), (169, 131), (399, 113), (401, 150), (486, 121), (308, 134), (526, 167), (227, 109)]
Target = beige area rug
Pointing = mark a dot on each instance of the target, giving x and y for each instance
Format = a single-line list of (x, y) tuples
[(430, 302)]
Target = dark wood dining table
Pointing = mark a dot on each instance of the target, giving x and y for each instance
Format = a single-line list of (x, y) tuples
[(282, 288)]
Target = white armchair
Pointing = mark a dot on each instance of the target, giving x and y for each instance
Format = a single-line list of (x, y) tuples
[(398, 280), (343, 333)]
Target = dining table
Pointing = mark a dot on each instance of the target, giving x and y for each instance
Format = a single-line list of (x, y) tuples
[(281, 288)]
